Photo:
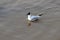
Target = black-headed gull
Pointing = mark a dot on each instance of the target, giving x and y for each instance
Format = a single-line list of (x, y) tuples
[(33, 18)]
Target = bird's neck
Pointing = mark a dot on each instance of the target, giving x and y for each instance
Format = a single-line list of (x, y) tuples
[(29, 17)]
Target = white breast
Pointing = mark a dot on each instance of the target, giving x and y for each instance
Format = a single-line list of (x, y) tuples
[(29, 17)]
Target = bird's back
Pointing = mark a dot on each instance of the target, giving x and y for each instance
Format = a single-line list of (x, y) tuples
[(35, 17)]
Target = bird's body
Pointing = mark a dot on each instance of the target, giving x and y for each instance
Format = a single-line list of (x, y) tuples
[(33, 17)]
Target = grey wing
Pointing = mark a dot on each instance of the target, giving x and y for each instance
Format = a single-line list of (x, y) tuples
[(34, 18)]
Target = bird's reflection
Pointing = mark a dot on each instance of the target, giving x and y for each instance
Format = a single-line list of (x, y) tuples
[(29, 23)]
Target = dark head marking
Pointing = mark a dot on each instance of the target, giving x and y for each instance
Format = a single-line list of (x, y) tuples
[(28, 13)]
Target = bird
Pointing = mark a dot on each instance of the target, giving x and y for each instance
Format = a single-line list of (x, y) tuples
[(32, 18)]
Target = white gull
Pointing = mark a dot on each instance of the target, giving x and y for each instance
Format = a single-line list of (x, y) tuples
[(33, 18)]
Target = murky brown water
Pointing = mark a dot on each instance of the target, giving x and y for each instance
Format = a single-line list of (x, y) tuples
[(13, 24)]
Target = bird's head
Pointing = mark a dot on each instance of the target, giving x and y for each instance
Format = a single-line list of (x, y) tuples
[(28, 13)]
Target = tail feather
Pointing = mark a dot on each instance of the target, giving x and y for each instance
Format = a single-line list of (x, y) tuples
[(40, 14)]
